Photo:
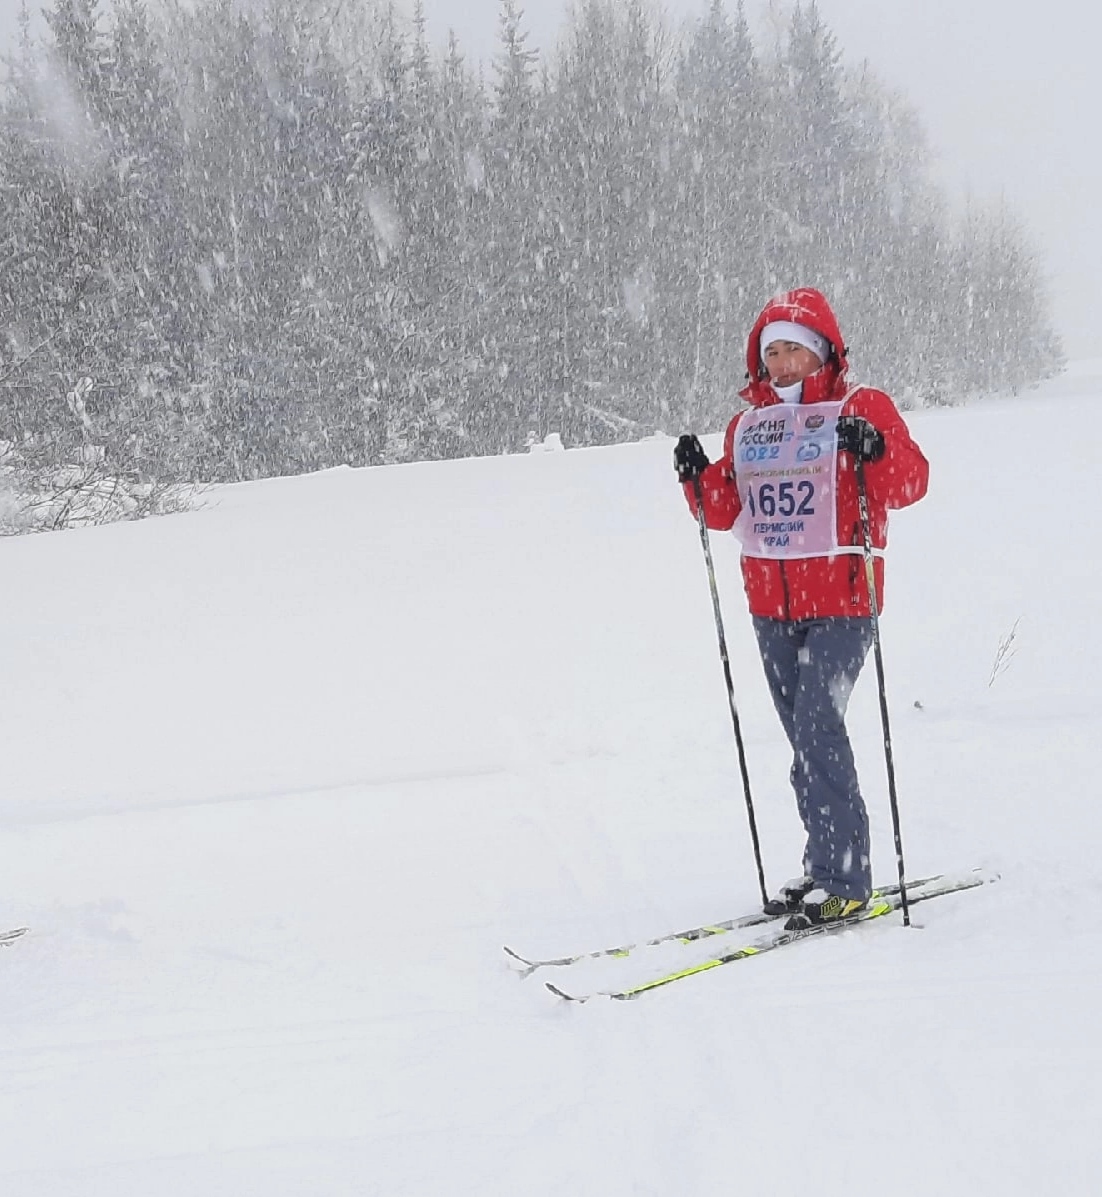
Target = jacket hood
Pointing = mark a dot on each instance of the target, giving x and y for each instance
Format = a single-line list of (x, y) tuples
[(804, 306)]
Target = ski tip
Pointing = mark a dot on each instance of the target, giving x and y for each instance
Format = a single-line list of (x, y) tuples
[(7, 937), (560, 993), (527, 967)]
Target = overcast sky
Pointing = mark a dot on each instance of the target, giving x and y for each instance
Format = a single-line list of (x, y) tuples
[(1009, 91)]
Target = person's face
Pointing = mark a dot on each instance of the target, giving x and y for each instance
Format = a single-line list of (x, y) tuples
[(788, 363)]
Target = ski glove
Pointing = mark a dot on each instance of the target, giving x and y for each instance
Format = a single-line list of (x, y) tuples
[(857, 436), (689, 458)]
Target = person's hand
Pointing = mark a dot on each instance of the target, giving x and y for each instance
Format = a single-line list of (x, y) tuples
[(689, 458), (857, 436)]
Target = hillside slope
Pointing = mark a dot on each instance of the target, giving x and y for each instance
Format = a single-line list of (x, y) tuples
[(282, 775)]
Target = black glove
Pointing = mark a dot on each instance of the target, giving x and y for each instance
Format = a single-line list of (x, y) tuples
[(689, 458), (857, 436)]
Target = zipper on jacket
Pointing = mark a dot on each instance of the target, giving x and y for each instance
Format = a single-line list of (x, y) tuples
[(784, 588)]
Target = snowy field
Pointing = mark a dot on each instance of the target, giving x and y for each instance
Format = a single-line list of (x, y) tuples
[(282, 775)]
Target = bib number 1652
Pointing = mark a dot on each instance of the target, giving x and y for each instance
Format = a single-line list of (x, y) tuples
[(781, 498)]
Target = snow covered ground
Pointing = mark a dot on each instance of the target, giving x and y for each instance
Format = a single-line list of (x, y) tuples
[(282, 775)]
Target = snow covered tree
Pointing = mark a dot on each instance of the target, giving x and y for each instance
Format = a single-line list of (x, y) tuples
[(515, 285), (80, 46), (1002, 340), (722, 222), (609, 158), (813, 158)]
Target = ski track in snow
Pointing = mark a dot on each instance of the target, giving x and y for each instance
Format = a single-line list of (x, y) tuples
[(283, 774)]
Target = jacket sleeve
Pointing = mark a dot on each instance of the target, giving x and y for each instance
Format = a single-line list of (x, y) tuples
[(902, 475), (717, 486)]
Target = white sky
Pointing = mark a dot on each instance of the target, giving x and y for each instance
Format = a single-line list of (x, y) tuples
[(1009, 91)]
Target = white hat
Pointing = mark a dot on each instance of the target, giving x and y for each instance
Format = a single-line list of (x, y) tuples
[(786, 330)]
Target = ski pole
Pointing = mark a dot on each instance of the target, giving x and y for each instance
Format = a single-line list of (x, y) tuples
[(697, 491), (874, 611)]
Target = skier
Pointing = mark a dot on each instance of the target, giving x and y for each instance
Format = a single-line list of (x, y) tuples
[(787, 487)]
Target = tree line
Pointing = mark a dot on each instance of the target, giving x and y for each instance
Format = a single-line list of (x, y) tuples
[(241, 238)]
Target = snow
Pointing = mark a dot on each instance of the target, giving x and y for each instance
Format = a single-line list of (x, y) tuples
[(283, 774)]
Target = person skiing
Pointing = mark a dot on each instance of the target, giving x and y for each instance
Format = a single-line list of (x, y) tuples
[(787, 486)]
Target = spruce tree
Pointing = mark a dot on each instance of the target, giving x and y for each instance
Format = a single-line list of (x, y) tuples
[(721, 222)]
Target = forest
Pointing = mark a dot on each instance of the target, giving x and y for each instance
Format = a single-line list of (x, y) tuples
[(248, 238)]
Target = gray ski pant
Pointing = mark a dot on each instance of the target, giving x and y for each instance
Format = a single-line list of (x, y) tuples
[(812, 666)]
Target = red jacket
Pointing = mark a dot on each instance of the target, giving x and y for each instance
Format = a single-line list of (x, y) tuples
[(817, 587)]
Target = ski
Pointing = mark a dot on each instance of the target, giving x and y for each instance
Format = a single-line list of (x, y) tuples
[(877, 908), (7, 937), (692, 935)]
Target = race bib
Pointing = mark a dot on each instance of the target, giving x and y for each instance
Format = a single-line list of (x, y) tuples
[(786, 464)]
